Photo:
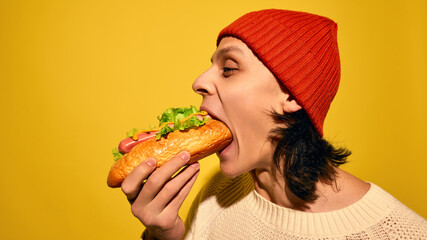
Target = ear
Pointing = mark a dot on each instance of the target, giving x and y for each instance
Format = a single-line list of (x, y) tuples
[(290, 104)]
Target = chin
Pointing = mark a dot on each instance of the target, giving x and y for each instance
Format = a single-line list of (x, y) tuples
[(229, 161), (230, 170), (230, 174)]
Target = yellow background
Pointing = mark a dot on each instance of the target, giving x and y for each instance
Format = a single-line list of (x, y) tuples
[(77, 75)]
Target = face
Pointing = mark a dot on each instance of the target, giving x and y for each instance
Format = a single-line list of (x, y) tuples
[(241, 92)]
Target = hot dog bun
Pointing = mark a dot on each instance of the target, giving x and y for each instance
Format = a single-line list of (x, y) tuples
[(200, 142)]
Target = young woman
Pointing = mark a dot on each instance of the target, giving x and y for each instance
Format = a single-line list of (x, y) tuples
[(273, 77)]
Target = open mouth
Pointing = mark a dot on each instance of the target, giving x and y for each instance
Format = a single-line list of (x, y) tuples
[(212, 115)]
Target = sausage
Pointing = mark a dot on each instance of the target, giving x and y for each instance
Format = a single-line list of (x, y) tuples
[(127, 144)]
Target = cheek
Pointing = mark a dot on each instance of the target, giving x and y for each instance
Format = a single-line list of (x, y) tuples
[(250, 101), (240, 107), (249, 115), (249, 107)]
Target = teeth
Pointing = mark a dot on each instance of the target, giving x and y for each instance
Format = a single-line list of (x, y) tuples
[(200, 117)]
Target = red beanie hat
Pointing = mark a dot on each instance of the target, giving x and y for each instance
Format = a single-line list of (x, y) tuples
[(300, 49)]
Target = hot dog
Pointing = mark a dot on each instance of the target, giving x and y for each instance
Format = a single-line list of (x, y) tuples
[(180, 129)]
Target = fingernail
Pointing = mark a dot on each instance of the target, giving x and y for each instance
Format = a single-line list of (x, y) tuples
[(184, 156), (196, 165), (150, 162)]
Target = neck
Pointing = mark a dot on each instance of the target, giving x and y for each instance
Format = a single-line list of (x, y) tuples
[(347, 189), (270, 184)]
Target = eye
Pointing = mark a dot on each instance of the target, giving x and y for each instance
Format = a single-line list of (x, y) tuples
[(226, 71), (230, 67)]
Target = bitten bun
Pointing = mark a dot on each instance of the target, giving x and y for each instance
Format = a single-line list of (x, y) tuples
[(200, 142)]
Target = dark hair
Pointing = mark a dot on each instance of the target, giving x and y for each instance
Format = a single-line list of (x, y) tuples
[(303, 156)]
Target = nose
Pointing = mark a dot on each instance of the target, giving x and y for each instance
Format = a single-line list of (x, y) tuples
[(204, 84)]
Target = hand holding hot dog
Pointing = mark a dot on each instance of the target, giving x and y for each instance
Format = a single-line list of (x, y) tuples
[(147, 160), (156, 204)]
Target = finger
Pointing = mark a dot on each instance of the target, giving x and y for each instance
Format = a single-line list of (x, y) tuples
[(172, 187), (162, 175), (131, 185), (179, 198)]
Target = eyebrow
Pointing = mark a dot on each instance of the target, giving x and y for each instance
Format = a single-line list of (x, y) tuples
[(222, 51)]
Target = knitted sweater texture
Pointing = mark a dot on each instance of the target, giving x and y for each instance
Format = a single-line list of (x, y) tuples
[(231, 209)]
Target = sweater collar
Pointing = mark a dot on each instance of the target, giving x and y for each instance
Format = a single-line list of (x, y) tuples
[(369, 210)]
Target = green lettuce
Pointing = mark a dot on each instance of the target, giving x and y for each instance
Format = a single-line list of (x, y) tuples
[(175, 115), (116, 154)]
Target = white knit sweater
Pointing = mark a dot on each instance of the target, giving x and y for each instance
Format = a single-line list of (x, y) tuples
[(231, 209)]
